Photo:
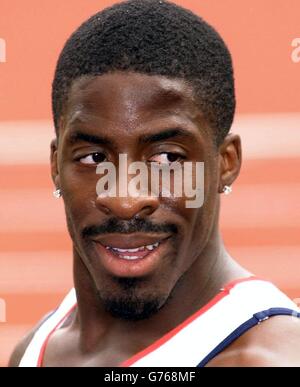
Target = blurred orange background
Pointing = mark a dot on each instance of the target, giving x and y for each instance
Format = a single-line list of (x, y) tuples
[(261, 219)]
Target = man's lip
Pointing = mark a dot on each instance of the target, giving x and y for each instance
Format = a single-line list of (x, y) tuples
[(130, 241), (138, 264)]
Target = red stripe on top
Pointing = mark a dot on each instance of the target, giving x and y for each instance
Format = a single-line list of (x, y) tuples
[(152, 347), (224, 292)]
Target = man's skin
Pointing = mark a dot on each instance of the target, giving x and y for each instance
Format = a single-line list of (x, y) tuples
[(193, 264)]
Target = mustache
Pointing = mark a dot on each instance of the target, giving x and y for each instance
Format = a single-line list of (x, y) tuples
[(114, 225)]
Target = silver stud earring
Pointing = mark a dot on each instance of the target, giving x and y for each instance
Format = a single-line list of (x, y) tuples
[(57, 193), (227, 190)]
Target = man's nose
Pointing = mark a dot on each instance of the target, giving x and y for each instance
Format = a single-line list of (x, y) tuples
[(127, 207)]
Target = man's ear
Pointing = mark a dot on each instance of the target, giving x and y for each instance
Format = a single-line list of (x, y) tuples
[(230, 160), (54, 163)]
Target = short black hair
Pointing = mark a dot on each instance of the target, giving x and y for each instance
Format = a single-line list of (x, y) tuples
[(152, 37)]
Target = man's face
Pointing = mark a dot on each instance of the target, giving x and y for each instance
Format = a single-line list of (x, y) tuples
[(151, 119)]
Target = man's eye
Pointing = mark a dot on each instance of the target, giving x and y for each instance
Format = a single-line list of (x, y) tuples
[(166, 158), (93, 158)]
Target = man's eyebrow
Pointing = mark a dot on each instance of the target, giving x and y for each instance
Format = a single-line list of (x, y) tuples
[(78, 136), (165, 135)]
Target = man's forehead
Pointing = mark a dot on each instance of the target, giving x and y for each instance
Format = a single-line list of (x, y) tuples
[(131, 91)]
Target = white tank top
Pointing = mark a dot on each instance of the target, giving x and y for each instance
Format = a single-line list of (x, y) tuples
[(239, 306)]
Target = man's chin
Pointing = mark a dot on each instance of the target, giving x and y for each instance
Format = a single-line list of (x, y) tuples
[(129, 299), (132, 309)]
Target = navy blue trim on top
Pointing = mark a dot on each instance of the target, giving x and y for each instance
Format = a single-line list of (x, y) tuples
[(255, 320)]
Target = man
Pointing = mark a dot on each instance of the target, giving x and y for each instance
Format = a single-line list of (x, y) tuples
[(154, 284)]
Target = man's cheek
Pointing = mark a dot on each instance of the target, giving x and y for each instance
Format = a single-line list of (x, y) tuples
[(200, 224), (79, 204), (78, 186)]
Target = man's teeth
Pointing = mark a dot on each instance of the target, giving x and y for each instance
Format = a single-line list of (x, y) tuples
[(129, 257), (151, 247), (141, 248), (126, 250)]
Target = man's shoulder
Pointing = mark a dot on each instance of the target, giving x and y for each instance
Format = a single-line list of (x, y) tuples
[(20, 348), (273, 343)]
